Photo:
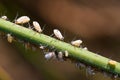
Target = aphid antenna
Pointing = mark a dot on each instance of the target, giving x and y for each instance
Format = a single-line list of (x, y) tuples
[(74, 38), (15, 17), (54, 49), (43, 28), (64, 34), (52, 35), (29, 26)]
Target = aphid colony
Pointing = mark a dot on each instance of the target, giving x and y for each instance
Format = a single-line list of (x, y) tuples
[(25, 19), (60, 55)]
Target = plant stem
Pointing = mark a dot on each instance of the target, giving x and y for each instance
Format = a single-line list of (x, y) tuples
[(74, 52)]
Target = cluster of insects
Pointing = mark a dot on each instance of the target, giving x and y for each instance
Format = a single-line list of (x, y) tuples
[(49, 55), (53, 54)]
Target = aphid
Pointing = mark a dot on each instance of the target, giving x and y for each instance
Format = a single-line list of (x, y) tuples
[(9, 38), (42, 47), (50, 55), (37, 26), (60, 56), (85, 48), (4, 17), (112, 62), (76, 43), (80, 65), (66, 53), (22, 20), (58, 34), (115, 76), (90, 71)]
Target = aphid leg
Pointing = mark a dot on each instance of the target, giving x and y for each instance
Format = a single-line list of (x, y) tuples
[(90, 71), (15, 18), (44, 27), (52, 35), (27, 45)]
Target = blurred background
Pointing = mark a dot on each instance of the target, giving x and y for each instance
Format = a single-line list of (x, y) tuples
[(96, 22)]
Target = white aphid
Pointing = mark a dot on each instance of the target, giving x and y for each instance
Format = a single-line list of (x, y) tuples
[(9, 38), (42, 47), (50, 55), (90, 71), (58, 34), (37, 26), (60, 55), (85, 48), (76, 43), (4, 17), (22, 20), (66, 53)]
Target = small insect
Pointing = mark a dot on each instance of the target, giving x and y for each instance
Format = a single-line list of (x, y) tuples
[(76, 43), (60, 56), (58, 34), (42, 47), (80, 65), (22, 20), (115, 76), (112, 62), (66, 53), (37, 26), (50, 55), (90, 71), (4, 17), (9, 38), (85, 48)]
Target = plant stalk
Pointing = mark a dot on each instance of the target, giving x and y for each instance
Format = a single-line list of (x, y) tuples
[(74, 52)]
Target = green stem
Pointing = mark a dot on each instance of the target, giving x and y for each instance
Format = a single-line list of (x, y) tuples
[(74, 52)]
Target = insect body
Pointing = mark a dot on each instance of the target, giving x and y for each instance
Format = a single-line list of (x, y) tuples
[(22, 20), (66, 53), (50, 55), (4, 17), (58, 34), (9, 38), (76, 43), (37, 26), (112, 62), (85, 48), (60, 56)]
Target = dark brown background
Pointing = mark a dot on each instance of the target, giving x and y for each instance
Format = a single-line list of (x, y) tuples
[(96, 22)]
